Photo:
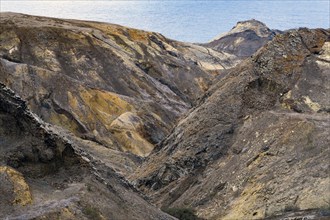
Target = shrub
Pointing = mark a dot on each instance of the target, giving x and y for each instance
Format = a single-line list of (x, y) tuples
[(92, 212), (182, 213), (291, 208)]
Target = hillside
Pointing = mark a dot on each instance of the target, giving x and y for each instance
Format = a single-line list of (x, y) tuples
[(44, 175), (120, 87), (101, 121), (257, 145)]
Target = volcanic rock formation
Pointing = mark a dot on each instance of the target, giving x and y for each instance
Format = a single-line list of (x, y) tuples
[(100, 121), (44, 175), (257, 144)]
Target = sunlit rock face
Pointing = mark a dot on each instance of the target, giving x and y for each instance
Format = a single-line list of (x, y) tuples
[(244, 39), (85, 75), (257, 144)]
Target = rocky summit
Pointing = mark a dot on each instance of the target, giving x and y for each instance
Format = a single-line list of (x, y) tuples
[(244, 39), (101, 121)]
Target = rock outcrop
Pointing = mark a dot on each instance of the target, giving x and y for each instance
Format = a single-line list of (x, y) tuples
[(244, 39), (257, 145), (46, 176)]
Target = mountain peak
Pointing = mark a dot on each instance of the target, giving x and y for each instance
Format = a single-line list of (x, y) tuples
[(258, 27), (244, 39)]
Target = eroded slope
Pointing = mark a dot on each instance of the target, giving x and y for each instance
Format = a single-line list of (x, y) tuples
[(121, 87), (257, 145), (44, 175)]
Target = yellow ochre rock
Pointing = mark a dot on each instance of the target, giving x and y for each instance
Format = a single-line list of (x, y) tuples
[(21, 191)]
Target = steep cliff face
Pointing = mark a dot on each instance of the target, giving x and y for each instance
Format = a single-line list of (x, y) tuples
[(121, 87), (44, 175), (257, 145), (244, 39)]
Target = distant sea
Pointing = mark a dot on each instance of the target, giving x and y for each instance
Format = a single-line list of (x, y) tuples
[(192, 21)]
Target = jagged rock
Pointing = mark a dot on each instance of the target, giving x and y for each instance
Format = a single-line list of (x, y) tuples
[(256, 146), (52, 168), (244, 39)]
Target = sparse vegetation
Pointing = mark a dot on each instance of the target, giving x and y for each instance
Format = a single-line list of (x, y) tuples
[(92, 212), (291, 208), (89, 187), (182, 213)]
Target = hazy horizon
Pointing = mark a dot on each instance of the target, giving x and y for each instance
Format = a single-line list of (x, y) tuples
[(192, 21)]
